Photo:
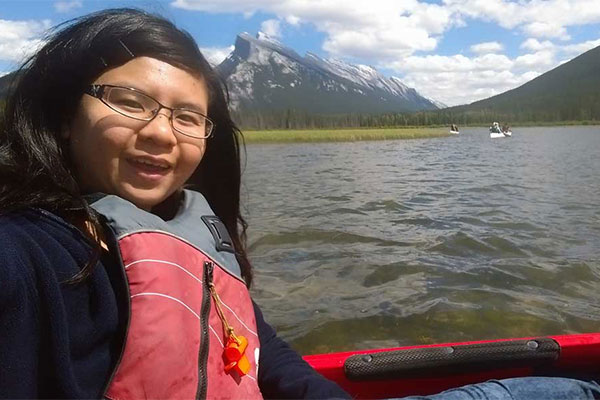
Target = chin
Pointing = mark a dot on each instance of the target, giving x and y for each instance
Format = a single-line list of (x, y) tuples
[(144, 199)]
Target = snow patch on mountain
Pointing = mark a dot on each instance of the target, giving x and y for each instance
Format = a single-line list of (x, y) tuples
[(262, 63)]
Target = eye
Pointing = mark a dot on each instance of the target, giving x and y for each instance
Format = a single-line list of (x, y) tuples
[(129, 101), (130, 105), (189, 118)]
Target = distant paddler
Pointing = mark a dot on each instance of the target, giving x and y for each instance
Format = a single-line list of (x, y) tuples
[(497, 132)]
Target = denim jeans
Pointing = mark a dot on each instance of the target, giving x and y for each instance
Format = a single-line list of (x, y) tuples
[(530, 388)]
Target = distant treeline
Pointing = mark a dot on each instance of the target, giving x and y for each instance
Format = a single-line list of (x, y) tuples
[(578, 111), (297, 119)]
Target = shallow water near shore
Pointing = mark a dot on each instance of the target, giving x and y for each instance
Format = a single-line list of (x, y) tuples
[(378, 244)]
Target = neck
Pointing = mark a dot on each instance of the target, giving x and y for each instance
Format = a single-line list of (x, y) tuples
[(169, 207)]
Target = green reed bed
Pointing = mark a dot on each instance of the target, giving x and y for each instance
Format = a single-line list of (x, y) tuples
[(341, 135)]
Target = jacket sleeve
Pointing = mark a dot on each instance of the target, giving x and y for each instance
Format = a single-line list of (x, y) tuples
[(19, 337), (283, 374)]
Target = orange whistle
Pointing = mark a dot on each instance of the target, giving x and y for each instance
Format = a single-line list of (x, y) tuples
[(235, 349), (241, 366), (234, 355)]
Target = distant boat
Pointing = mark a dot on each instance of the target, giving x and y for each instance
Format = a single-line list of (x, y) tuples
[(497, 132), (454, 132), (454, 129), (496, 135)]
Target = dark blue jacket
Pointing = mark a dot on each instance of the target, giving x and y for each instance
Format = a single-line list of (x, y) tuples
[(64, 341)]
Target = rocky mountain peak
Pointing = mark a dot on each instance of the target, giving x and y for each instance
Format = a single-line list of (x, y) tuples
[(263, 73)]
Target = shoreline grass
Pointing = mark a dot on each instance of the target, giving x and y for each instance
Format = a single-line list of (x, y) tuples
[(342, 135)]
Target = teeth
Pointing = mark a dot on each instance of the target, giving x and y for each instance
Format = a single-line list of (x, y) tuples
[(152, 164)]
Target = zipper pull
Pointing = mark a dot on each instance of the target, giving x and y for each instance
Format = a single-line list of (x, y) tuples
[(208, 273)]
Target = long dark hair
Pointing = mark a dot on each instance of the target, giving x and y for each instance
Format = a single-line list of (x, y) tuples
[(35, 169)]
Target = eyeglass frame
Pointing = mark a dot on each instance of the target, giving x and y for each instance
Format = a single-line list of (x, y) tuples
[(97, 91)]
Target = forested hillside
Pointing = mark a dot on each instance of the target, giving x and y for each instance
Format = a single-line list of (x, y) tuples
[(569, 92)]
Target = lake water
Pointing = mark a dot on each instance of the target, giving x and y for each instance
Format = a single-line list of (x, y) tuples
[(378, 244)]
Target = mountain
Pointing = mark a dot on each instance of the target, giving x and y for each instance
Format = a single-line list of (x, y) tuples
[(570, 91), (263, 74)]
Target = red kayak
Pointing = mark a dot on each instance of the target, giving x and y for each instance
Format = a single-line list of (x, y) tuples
[(429, 369)]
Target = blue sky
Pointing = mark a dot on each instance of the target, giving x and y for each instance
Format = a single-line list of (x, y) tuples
[(453, 51)]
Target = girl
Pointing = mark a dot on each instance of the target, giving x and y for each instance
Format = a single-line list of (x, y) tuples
[(123, 269), (115, 281)]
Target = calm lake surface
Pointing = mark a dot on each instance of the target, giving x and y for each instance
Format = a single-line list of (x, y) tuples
[(378, 244)]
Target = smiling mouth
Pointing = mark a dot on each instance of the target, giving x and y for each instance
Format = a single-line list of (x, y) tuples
[(150, 167)]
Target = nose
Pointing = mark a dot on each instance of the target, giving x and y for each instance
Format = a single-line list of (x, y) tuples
[(159, 130)]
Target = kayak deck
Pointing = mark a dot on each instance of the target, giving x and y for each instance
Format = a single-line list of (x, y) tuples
[(429, 369)]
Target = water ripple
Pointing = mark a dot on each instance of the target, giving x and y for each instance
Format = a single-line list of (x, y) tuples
[(361, 245)]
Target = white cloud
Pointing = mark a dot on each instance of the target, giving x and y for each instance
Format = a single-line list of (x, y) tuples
[(456, 63), (487, 47), (546, 29), (535, 45), (459, 79), (216, 55), (271, 27), (353, 28), (542, 60), (224, 6), (388, 29), (67, 6), (578, 48), (397, 35), (538, 18), (463, 87), (19, 39), (293, 20)]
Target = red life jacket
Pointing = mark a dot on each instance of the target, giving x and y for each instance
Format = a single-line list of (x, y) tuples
[(175, 341)]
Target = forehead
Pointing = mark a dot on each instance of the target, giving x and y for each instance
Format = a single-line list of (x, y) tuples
[(164, 81)]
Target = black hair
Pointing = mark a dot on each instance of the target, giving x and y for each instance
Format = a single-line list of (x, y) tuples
[(35, 167)]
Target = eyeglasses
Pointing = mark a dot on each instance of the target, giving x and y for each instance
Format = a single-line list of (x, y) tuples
[(137, 105)]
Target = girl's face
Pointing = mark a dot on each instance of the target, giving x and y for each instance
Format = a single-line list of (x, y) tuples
[(141, 161)]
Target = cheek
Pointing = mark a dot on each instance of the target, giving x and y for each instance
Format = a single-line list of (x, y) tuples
[(94, 152), (92, 145), (191, 156), (95, 133)]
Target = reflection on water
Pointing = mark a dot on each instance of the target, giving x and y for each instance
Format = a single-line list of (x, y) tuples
[(371, 244)]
